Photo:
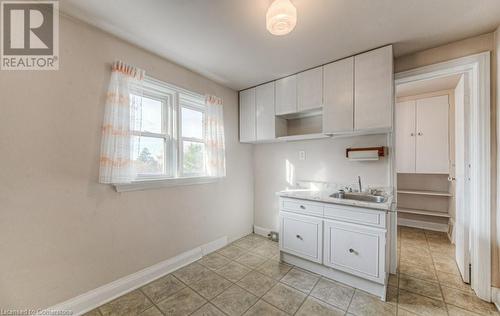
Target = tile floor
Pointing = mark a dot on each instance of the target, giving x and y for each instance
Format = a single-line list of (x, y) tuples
[(246, 278)]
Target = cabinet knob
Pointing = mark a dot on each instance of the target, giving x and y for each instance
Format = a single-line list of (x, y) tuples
[(303, 207), (412, 134), (299, 237), (351, 250), (420, 133)]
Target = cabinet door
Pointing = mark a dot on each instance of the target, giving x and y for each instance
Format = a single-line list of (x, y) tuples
[(432, 135), (247, 115), (405, 137), (355, 249), (338, 96), (373, 89), (266, 128), (301, 236), (310, 89), (286, 95)]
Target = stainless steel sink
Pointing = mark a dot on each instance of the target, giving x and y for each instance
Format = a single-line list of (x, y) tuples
[(365, 197)]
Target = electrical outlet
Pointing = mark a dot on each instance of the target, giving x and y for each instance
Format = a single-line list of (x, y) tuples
[(302, 155)]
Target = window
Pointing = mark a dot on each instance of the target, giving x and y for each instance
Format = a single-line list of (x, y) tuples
[(170, 140)]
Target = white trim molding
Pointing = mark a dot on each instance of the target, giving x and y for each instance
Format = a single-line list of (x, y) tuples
[(477, 67), (262, 231), (103, 294), (438, 227)]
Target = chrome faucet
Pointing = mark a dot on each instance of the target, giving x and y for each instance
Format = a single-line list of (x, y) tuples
[(359, 183)]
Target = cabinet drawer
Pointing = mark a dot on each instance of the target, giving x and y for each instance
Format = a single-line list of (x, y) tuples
[(356, 215), (355, 249), (301, 236), (301, 206)]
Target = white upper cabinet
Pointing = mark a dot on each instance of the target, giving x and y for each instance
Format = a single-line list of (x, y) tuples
[(310, 89), (247, 115), (265, 119), (405, 137), (286, 95), (373, 89), (432, 154), (422, 140), (338, 96)]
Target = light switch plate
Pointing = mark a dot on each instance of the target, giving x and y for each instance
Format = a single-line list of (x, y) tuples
[(302, 155)]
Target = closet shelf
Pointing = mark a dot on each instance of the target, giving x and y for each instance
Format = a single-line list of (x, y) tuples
[(425, 192), (423, 212)]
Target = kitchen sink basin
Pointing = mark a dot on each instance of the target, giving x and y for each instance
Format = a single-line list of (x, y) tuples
[(364, 197)]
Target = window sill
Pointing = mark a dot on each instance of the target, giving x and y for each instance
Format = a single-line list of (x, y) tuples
[(163, 183)]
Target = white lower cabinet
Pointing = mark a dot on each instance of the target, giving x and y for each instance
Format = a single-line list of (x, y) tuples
[(301, 236), (355, 249)]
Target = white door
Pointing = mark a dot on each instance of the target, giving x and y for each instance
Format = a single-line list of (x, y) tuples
[(405, 137), (247, 115), (373, 89), (432, 153), (338, 96), (286, 95), (310, 89), (462, 220), (266, 128)]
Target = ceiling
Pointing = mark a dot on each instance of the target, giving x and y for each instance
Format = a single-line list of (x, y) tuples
[(227, 41), (427, 86)]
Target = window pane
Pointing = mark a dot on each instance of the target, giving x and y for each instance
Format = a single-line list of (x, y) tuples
[(151, 114), (192, 123), (193, 157), (149, 155)]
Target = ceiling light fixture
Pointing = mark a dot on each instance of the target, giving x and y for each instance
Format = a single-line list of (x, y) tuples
[(281, 17)]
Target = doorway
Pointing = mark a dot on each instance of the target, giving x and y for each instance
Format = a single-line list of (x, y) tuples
[(442, 149)]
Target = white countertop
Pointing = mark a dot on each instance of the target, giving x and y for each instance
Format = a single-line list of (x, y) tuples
[(324, 196)]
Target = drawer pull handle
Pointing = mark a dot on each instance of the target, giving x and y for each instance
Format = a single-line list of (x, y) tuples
[(303, 207), (299, 237), (351, 250)]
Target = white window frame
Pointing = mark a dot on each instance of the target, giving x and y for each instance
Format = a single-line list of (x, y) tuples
[(172, 135)]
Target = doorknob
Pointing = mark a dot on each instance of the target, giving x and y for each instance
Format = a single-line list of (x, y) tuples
[(412, 134), (451, 179), (299, 237)]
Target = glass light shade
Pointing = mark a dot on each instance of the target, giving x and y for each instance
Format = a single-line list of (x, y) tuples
[(281, 17)]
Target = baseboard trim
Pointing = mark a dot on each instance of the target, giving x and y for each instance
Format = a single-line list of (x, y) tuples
[(423, 225), (103, 294), (495, 297), (261, 230)]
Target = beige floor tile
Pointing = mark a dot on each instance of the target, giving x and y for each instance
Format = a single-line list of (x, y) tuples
[(184, 302), (333, 293), (249, 242), (468, 301), (191, 273), (402, 312), (392, 295), (313, 306), (131, 303), (457, 311), (364, 304), (416, 254), (232, 252), (233, 271), (208, 310), (285, 298), (425, 288), (262, 308), (162, 288), (257, 283), (94, 312), (214, 261), (447, 265), (266, 250), (420, 305), (422, 264), (393, 280), (235, 300), (442, 251), (454, 281), (417, 271), (152, 311), (250, 260), (210, 285), (301, 280), (274, 269)]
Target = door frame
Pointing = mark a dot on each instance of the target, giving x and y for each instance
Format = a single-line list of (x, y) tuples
[(477, 67)]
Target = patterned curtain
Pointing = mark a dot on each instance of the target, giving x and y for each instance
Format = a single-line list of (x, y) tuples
[(214, 131), (121, 115)]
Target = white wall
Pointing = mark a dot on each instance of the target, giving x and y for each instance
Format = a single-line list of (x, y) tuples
[(62, 233), (325, 161)]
